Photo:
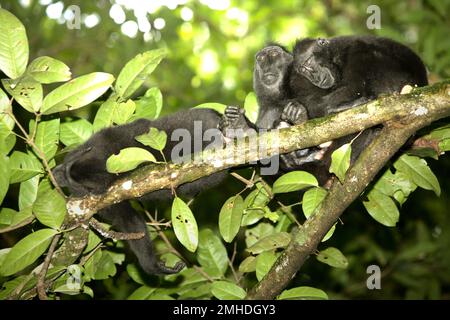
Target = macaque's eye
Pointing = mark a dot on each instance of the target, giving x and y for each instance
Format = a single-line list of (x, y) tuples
[(274, 53), (322, 42), (260, 57)]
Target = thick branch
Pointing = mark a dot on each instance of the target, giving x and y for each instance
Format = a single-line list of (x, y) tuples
[(430, 103)]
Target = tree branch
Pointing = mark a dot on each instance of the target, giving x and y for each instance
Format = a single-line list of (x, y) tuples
[(402, 115)]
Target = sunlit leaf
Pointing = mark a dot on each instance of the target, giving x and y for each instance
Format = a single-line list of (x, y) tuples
[(340, 161), (251, 107), (26, 91), (312, 200), (4, 176), (13, 45), (219, 107), (149, 106), (294, 181), (48, 70), (75, 132), (47, 137), (155, 139), (224, 290), (77, 92), (128, 159), (137, 70), (23, 166)]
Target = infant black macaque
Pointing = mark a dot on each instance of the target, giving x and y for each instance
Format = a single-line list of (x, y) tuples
[(84, 172), (329, 76)]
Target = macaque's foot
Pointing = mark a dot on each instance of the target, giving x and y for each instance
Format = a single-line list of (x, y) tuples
[(161, 268), (294, 113)]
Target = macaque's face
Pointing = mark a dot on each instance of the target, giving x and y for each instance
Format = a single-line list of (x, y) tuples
[(313, 60), (271, 65)]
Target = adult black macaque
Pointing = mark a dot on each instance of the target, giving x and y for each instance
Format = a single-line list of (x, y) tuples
[(329, 76), (84, 172)]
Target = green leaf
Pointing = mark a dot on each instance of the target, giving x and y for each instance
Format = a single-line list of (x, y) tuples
[(123, 112), (212, 254), (47, 137), (75, 132), (10, 217), (224, 290), (4, 176), (105, 267), (251, 107), (444, 145), (340, 161), (230, 217), (149, 106), (303, 293), (419, 172), (48, 70), (105, 114), (264, 262), (219, 107), (184, 225), (23, 166), (312, 200), (26, 91), (333, 257), (26, 251), (294, 181), (261, 230), (13, 45), (382, 208), (77, 92), (6, 122), (271, 242), (255, 204), (49, 207), (128, 159), (28, 192), (248, 265), (137, 70), (154, 138)]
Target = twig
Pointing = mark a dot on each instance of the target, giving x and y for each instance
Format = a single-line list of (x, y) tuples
[(237, 279), (38, 151), (40, 286)]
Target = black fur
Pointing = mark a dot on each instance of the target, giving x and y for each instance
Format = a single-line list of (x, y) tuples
[(84, 172)]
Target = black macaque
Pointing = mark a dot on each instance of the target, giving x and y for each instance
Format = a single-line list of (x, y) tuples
[(276, 110), (84, 172), (333, 75), (329, 76), (325, 77)]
